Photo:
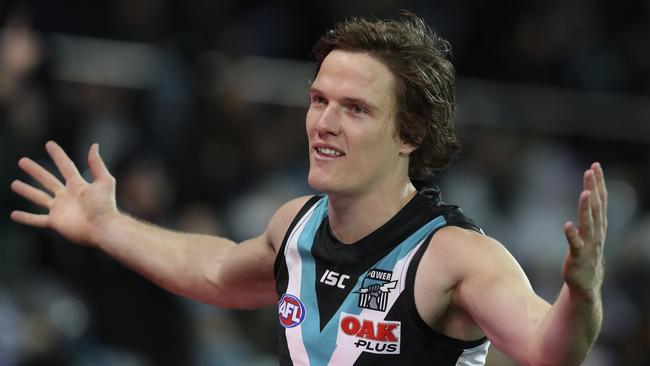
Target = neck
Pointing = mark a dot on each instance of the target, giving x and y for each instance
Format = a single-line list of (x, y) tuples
[(352, 217)]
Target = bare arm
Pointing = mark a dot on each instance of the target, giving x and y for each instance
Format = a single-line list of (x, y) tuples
[(202, 267), (499, 298), (191, 264), (206, 268)]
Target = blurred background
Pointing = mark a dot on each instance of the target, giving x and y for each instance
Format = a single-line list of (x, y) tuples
[(199, 108)]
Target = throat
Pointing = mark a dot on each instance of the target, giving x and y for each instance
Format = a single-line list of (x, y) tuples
[(349, 223)]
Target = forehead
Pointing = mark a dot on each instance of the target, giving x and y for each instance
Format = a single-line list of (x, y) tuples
[(356, 75)]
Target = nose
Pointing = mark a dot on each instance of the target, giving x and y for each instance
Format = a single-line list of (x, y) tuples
[(328, 121)]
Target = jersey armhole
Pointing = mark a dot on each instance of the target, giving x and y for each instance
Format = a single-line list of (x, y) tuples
[(414, 314), (279, 257)]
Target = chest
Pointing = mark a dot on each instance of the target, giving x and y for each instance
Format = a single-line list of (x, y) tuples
[(354, 304)]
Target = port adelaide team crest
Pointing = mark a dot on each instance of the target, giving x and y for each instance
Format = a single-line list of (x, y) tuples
[(375, 288)]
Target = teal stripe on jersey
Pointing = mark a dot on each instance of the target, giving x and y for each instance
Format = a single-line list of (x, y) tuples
[(310, 326), (321, 345)]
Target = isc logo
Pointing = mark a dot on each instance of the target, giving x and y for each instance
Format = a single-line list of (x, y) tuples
[(333, 278), (291, 311), (375, 336)]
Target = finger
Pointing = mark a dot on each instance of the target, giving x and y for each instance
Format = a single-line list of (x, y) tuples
[(30, 219), (587, 180), (42, 176), (572, 236), (602, 187), (586, 223), (96, 163), (31, 194), (596, 213), (62, 161)]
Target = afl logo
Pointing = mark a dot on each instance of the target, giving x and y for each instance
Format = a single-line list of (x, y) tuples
[(291, 311)]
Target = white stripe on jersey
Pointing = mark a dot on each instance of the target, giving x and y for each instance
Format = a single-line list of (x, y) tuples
[(294, 266), (474, 356)]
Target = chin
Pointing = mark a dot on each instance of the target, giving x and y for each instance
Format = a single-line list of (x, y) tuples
[(322, 182), (317, 182), (329, 185)]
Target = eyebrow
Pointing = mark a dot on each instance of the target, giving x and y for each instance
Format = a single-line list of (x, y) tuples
[(348, 100)]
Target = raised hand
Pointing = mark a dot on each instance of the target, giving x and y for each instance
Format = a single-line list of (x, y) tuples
[(75, 207), (583, 268)]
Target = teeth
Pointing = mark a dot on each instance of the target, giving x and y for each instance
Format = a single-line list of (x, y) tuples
[(328, 151)]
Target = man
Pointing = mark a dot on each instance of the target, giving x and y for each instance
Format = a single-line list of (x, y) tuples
[(375, 270)]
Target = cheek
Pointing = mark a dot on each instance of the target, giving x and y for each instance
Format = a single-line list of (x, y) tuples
[(377, 142), (309, 121)]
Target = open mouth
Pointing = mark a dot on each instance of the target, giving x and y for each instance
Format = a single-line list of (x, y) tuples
[(328, 152)]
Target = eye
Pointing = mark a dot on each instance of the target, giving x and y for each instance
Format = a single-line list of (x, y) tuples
[(318, 99), (357, 109)]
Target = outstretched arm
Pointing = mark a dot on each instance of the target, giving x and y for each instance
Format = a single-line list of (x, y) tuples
[(202, 267), (499, 298)]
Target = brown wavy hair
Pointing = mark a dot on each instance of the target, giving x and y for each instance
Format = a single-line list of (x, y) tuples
[(425, 88)]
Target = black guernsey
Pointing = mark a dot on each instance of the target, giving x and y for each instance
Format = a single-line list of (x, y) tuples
[(354, 304)]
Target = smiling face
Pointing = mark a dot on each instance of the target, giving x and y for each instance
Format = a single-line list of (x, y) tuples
[(351, 128)]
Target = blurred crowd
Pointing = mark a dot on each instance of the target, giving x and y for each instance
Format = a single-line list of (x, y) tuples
[(195, 154)]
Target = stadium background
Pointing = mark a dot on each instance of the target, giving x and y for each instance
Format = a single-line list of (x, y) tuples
[(199, 109)]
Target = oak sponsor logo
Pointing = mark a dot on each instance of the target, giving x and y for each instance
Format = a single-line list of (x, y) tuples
[(374, 336), (291, 311)]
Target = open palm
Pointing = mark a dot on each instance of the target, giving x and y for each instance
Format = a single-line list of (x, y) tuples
[(75, 206), (583, 267)]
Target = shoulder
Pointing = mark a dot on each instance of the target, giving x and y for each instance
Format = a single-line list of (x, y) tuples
[(465, 254), (474, 265), (461, 239), (283, 217)]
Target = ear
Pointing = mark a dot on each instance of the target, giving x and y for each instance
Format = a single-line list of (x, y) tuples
[(407, 148)]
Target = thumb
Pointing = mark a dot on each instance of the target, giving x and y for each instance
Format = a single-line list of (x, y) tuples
[(572, 236), (96, 163)]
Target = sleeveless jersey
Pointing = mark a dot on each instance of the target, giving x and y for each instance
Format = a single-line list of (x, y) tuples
[(354, 304)]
